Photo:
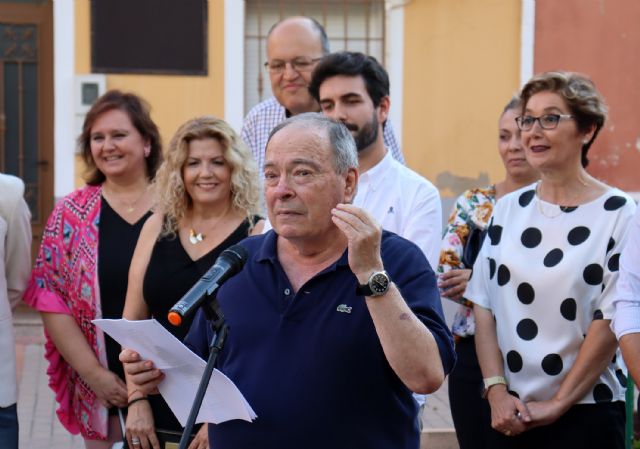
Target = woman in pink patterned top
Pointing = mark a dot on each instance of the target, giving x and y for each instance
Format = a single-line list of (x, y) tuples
[(471, 414), (81, 271)]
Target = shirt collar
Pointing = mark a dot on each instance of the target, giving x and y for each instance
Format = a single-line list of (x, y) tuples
[(376, 174), (269, 251)]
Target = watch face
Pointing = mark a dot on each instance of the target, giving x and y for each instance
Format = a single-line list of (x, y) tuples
[(379, 283)]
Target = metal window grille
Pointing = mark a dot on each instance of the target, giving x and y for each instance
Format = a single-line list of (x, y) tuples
[(354, 25), (19, 107)]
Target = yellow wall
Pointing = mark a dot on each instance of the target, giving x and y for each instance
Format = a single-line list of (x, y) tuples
[(173, 99), (461, 65)]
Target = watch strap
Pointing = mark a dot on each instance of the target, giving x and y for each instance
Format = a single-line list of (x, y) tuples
[(369, 289), (492, 381), (364, 290)]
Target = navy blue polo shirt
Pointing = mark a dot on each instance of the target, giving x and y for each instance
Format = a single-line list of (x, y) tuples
[(310, 363)]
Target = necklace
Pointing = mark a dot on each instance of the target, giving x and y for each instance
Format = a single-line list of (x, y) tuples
[(197, 237), (561, 209), (194, 238), (129, 207)]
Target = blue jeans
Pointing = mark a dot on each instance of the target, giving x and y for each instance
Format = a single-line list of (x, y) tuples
[(9, 426)]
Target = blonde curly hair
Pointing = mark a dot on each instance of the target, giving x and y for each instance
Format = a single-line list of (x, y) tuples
[(172, 198)]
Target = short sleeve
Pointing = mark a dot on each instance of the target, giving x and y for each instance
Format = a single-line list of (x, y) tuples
[(626, 299), (417, 284), (611, 268), (46, 280)]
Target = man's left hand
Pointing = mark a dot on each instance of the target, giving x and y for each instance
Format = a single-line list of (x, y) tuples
[(363, 235)]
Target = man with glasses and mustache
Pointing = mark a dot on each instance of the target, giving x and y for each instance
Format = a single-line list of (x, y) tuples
[(295, 45), (353, 88)]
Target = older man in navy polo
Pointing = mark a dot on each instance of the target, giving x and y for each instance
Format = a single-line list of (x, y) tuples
[(333, 321)]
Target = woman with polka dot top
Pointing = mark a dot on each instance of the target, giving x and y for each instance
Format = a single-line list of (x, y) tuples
[(544, 281), (472, 210)]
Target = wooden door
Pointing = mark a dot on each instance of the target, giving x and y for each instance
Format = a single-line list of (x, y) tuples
[(26, 103)]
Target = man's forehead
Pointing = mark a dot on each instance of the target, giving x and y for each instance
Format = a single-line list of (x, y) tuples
[(295, 143), (298, 34), (343, 86)]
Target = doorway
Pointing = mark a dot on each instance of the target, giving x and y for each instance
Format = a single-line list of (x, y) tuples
[(26, 103)]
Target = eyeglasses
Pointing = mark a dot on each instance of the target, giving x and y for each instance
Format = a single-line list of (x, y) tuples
[(277, 66), (547, 121)]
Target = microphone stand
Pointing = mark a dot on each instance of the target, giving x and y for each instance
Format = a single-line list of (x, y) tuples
[(220, 330)]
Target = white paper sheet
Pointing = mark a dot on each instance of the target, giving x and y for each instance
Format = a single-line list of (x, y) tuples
[(183, 370)]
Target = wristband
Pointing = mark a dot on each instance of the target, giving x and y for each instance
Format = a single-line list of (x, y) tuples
[(492, 381), (133, 401)]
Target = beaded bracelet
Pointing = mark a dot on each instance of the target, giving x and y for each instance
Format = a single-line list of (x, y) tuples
[(133, 401)]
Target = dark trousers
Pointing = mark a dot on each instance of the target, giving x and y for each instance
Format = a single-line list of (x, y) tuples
[(9, 427), (471, 414), (584, 426)]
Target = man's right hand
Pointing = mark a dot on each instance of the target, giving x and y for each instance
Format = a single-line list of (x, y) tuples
[(141, 373)]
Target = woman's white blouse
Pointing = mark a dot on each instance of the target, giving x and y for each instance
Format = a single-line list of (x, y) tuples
[(546, 273)]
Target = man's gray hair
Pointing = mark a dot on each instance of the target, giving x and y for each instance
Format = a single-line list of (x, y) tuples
[(345, 153)]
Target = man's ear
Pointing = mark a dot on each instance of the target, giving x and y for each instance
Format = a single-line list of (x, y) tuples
[(383, 109), (351, 185)]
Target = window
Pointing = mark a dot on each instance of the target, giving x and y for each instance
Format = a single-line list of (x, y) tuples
[(149, 36), (354, 25)]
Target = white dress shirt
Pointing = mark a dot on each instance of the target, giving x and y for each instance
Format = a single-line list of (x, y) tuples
[(403, 202)]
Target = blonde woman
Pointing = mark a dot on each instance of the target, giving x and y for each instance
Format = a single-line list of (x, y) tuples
[(208, 200)]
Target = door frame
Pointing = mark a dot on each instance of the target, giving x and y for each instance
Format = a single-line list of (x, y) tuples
[(42, 16)]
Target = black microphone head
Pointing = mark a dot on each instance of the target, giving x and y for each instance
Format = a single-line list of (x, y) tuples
[(235, 256)]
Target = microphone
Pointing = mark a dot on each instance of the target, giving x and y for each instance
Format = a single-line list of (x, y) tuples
[(228, 264)]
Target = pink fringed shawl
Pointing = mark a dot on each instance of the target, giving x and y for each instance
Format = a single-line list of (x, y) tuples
[(65, 280)]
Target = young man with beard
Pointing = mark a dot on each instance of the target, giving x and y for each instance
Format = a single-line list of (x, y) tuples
[(294, 47), (353, 88)]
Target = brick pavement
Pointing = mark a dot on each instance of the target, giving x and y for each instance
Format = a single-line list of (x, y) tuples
[(40, 428)]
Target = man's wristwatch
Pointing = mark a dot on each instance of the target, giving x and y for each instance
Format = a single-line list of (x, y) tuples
[(490, 382), (377, 285)]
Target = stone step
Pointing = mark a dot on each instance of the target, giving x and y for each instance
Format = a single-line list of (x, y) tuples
[(439, 439)]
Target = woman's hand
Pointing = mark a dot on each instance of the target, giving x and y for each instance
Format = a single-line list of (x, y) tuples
[(453, 283), (544, 412), (140, 430), (108, 387), (509, 415), (201, 441)]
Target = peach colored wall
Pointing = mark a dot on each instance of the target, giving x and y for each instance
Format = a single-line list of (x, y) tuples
[(461, 66), (173, 99), (600, 38)]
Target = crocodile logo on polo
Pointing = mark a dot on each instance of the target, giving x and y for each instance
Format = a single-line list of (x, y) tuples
[(344, 308)]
